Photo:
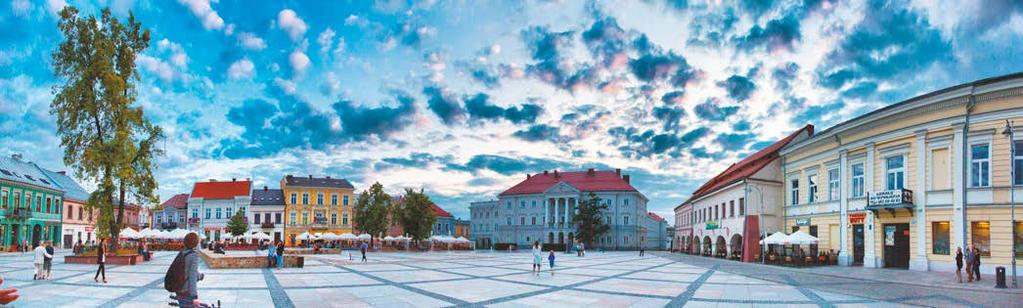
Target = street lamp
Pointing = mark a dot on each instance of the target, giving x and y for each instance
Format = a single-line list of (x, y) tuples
[(1012, 193)]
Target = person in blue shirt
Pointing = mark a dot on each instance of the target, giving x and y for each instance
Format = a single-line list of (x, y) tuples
[(550, 258), (271, 255)]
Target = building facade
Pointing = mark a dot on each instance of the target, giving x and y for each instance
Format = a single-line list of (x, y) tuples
[(445, 224), (77, 222), (462, 228), (905, 185), (683, 229), (541, 208), (267, 212), (484, 219), (30, 204), (727, 215), (656, 230), (316, 205), (172, 213), (211, 204)]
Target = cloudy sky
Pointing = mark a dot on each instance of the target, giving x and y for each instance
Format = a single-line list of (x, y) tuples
[(463, 98)]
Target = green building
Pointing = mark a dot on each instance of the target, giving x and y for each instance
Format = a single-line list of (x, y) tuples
[(30, 204)]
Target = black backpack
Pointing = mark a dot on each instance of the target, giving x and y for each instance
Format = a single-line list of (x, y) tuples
[(174, 281)]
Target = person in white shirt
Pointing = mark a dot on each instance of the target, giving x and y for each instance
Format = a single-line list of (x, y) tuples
[(40, 256)]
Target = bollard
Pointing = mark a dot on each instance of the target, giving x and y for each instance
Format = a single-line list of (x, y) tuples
[(1000, 277)]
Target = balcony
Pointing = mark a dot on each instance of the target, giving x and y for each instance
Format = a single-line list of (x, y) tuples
[(169, 225), (20, 214), (193, 221), (267, 225)]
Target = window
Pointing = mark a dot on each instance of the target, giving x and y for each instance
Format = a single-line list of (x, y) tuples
[(293, 218), (522, 204), (625, 220), (980, 234), (811, 182), (70, 212), (1017, 165), (857, 180), (256, 218), (731, 208), (507, 205), (195, 213), (895, 172), (742, 206), (319, 198), (980, 165), (345, 200), (305, 198), (305, 218), (534, 204), (939, 237), (1017, 241), (813, 231), (230, 212), (48, 206), (794, 191), (3, 195), (277, 218), (333, 218), (219, 211), (333, 199), (208, 210), (608, 220), (17, 200), (80, 213), (294, 198), (508, 219), (625, 202), (534, 220), (833, 184), (344, 218), (522, 220)]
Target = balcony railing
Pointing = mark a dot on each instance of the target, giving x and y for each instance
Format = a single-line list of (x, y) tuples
[(20, 214), (169, 225), (267, 225)]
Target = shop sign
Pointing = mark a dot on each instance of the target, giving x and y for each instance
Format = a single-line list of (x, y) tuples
[(712, 225), (88, 228), (857, 218), (803, 221), (891, 197)]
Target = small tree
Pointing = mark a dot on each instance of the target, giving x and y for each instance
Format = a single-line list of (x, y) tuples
[(238, 224), (589, 220), (415, 215), (371, 211)]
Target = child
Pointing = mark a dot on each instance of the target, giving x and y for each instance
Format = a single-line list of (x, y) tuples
[(550, 258)]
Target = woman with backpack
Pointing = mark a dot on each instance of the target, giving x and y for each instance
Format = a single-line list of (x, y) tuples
[(183, 274), (101, 259)]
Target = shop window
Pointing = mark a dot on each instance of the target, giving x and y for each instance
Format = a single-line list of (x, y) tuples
[(833, 184), (980, 234), (813, 231), (811, 182), (939, 238), (980, 165), (895, 172), (1017, 240)]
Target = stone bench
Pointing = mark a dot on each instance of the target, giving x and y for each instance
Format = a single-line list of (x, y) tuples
[(112, 260), (214, 260)]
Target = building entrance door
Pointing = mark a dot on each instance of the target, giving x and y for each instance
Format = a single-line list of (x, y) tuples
[(857, 244), (67, 241), (36, 234), (896, 245)]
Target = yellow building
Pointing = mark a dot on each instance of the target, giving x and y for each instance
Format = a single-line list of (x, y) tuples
[(905, 185), (316, 205)]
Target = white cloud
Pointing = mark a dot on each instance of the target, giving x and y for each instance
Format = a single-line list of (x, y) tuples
[(241, 69), (299, 62), (229, 30), (54, 6), (331, 85), (178, 56), (287, 86), (251, 41), (202, 9), (291, 23), (161, 69), (351, 20), (326, 40), (21, 7)]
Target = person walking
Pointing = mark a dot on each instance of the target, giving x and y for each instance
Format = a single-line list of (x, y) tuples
[(362, 249), (959, 264), (48, 261), (188, 295), (280, 255), (40, 256), (271, 255), (537, 258), (968, 257), (976, 262), (101, 260), (550, 258), (24, 246)]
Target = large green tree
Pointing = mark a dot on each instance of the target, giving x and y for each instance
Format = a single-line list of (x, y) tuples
[(238, 224), (105, 135), (414, 215), (371, 209), (589, 222)]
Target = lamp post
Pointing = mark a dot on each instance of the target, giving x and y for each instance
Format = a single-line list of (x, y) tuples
[(1012, 193)]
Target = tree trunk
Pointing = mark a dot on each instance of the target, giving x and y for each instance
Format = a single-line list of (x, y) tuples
[(120, 212)]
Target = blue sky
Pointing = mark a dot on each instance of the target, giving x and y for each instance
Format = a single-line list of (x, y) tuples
[(462, 99)]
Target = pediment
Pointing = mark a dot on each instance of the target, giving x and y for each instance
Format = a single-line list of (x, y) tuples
[(562, 188)]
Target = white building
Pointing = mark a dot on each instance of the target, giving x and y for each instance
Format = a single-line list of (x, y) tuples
[(483, 223), (541, 207), (171, 214), (266, 212), (212, 204)]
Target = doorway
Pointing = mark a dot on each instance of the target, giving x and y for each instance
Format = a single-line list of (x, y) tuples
[(858, 244), (896, 245), (36, 233)]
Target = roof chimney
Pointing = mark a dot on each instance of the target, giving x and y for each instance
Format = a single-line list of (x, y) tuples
[(234, 179), (264, 188), (527, 176), (213, 180), (310, 176), (545, 172), (590, 171), (625, 178), (618, 171), (555, 173), (16, 156), (62, 172)]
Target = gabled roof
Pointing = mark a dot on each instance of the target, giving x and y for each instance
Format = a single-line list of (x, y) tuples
[(311, 181), (72, 191), (17, 170), (221, 190), (595, 181), (748, 166), (179, 201), (439, 212), (656, 217), (267, 196)]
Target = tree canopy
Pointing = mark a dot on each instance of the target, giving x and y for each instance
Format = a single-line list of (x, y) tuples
[(589, 220), (414, 214), (371, 209), (238, 224)]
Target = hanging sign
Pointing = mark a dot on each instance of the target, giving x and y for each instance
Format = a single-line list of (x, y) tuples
[(803, 221), (712, 225), (857, 218), (891, 197)]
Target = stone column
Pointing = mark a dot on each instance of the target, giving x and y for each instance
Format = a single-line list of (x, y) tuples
[(844, 256), (919, 261), (869, 256), (545, 213), (958, 188)]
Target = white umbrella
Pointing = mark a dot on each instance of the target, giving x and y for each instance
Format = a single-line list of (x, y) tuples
[(178, 234), (461, 239), (129, 233), (389, 238), (305, 236), (147, 233), (260, 236), (778, 238), (329, 236), (365, 237), (801, 238), (348, 236)]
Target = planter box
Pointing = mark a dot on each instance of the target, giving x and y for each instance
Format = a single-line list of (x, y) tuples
[(224, 261), (113, 260)]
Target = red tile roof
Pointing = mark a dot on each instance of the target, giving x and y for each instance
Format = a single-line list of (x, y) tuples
[(656, 217), (221, 190), (607, 180), (439, 212), (178, 201), (748, 166)]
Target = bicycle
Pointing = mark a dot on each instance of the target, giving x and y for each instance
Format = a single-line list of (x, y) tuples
[(201, 305)]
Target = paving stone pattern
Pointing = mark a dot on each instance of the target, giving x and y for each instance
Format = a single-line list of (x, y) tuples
[(470, 279)]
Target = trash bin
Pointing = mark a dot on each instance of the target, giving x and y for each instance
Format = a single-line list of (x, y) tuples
[(1000, 277)]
